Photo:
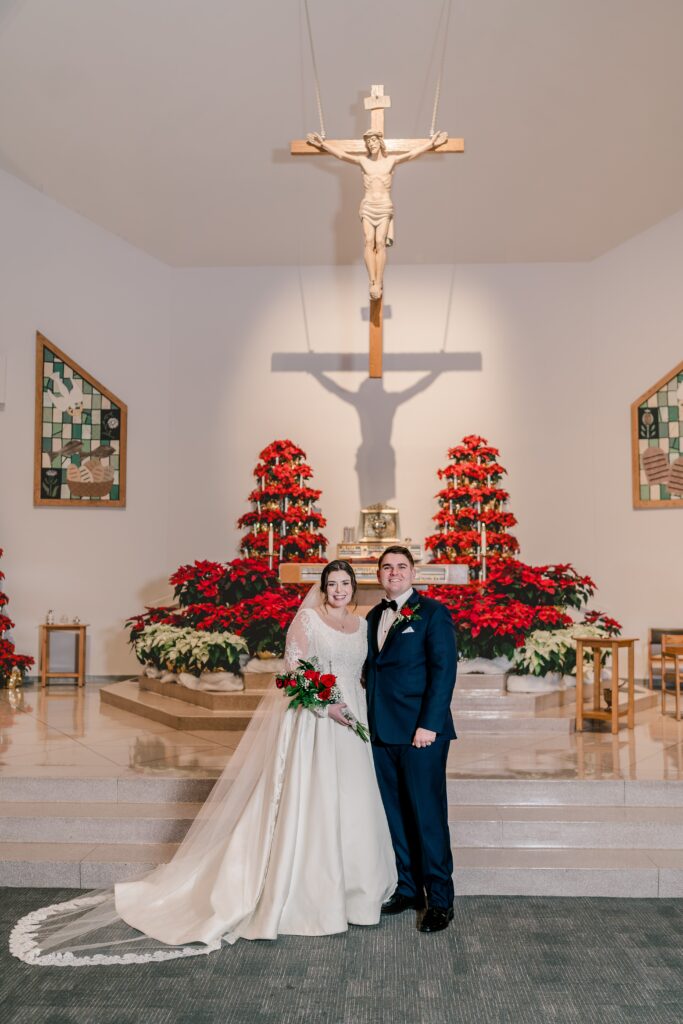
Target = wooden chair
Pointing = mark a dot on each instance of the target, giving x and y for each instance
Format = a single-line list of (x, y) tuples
[(654, 652), (672, 661)]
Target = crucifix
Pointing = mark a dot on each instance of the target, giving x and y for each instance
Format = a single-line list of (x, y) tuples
[(377, 157)]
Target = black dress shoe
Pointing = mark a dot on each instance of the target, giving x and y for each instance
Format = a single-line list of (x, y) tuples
[(399, 902), (436, 919)]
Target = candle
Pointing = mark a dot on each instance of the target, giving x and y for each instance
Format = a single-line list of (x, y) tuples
[(483, 551), (270, 546)]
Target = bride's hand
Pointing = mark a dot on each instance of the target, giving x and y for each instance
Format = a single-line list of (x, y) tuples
[(336, 713)]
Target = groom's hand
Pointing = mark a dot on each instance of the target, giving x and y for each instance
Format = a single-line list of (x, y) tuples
[(423, 738)]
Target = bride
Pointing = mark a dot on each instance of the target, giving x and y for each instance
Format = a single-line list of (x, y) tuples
[(293, 839)]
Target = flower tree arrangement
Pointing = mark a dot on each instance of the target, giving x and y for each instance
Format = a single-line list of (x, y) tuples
[(11, 663), (284, 525), (472, 522), (241, 600), (508, 610)]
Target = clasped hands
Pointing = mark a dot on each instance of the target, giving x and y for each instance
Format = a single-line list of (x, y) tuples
[(423, 738)]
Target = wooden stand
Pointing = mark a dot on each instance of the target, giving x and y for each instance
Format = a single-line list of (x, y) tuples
[(612, 645), (45, 631)]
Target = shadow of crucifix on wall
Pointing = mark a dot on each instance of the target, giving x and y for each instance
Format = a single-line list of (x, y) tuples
[(375, 405)]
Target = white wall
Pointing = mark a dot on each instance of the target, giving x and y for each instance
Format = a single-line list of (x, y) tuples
[(638, 332), (564, 350), (106, 305)]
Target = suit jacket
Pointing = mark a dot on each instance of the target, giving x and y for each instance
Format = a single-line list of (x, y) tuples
[(410, 682)]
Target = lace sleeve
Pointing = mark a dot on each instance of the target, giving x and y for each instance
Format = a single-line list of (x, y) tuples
[(299, 644)]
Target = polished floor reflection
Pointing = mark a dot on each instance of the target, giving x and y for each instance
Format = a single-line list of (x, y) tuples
[(63, 731)]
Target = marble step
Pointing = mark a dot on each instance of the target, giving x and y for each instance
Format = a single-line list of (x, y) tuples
[(558, 872), (502, 720), (564, 792), (479, 681), (124, 788), (607, 826), (171, 711), (129, 788), (78, 865), (557, 715), (500, 872), (239, 700), (494, 700), (95, 822)]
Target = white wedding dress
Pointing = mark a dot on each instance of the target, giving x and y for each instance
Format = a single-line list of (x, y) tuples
[(292, 840)]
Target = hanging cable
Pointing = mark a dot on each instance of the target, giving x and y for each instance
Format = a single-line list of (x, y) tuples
[(315, 72), (445, 8)]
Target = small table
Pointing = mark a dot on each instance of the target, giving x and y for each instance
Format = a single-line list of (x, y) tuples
[(79, 629), (612, 645)]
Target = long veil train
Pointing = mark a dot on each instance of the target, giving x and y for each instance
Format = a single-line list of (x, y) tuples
[(90, 930), (210, 887)]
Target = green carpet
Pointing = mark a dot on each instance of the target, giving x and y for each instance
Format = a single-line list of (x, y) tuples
[(506, 960)]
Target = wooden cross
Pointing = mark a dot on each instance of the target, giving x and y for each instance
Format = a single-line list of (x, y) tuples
[(376, 103)]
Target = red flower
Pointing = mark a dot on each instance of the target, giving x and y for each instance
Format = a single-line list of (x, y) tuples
[(325, 694), (311, 675), (407, 611), (328, 680)]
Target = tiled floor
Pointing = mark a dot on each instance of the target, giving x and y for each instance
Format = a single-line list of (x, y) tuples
[(67, 732)]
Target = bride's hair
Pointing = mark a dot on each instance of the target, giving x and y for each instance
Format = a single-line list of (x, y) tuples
[(338, 565)]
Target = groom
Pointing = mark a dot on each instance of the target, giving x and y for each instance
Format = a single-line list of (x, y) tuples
[(410, 675)]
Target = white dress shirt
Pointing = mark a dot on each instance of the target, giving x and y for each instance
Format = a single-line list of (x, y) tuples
[(388, 617)]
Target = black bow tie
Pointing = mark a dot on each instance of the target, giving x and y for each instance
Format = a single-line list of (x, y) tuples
[(389, 604)]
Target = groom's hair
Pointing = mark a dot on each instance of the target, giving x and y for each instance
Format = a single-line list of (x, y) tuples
[(396, 549)]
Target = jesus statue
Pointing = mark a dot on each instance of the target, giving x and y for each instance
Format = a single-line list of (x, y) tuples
[(377, 209)]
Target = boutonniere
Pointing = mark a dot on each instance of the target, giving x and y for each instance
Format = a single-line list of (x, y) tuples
[(407, 613)]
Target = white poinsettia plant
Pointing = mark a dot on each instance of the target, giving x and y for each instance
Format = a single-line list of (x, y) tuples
[(553, 650), (182, 649)]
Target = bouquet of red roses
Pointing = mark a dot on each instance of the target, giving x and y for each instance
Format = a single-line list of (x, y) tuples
[(308, 687)]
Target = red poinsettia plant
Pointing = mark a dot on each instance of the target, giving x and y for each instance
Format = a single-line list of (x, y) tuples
[(283, 524), (242, 597), (9, 659), (472, 522)]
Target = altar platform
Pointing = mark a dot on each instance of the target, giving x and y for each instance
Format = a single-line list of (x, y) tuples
[(90, 794)]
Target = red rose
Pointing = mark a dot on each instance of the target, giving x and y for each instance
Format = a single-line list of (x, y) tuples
[(311, 675), (328, 680), (407, 611), (325, 694)]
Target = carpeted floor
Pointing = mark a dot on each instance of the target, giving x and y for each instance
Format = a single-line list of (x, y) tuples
[(506, 960)]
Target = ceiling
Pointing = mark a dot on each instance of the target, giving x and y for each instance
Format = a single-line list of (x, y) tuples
[(167, 122)]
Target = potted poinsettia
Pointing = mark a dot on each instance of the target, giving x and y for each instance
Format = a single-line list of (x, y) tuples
[(199, 660)]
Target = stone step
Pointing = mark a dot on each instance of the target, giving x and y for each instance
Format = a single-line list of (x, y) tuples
[(553, 872), (565, 792), (479, 681), (504, 721), (555, 716), (573, 827), (606, 827), (178, 714), (239, 700), (78, 865), (95, 822), (126, 788), (501, 871), (131, 788), (494, 700)]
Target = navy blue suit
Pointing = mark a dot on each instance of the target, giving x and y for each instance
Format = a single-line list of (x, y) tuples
[(409, 686)]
